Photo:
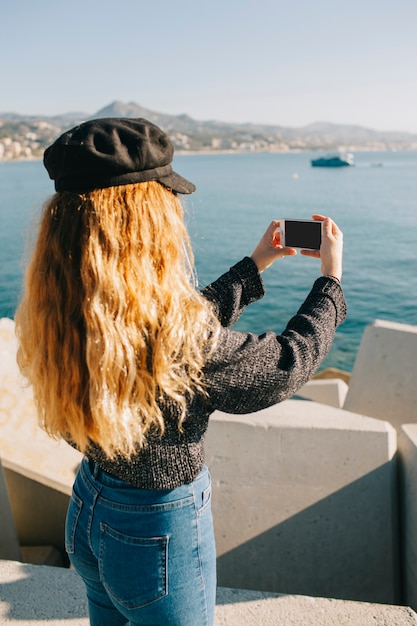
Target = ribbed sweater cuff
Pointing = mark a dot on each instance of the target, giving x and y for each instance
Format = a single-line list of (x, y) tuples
[(330, 288), (249, 276)]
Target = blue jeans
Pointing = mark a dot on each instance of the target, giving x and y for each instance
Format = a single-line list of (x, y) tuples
[(146, 556)]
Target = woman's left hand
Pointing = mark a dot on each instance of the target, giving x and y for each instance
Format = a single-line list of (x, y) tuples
[(331, 249)]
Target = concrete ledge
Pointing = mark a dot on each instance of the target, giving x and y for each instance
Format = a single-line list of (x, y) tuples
[(39, 472), (236, 607), (408, 450), (38, 511), (305, 494), (383, 381), (9, 544), (332, 372), (24, 447), (330, 391), (305, 502), (34, 595)]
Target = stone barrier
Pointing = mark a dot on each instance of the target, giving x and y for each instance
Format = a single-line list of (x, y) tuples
[(304, 498), (33, 595), (408, 447), (305, 502), (331, 391), (39, 472), (9, 543), (383, 382)]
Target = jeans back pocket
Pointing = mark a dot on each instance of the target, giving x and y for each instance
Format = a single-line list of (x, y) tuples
[(133, 569)]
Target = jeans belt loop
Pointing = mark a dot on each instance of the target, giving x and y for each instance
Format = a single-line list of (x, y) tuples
[(94, 468)]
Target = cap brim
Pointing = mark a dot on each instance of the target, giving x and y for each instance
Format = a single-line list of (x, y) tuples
[(177, 183)]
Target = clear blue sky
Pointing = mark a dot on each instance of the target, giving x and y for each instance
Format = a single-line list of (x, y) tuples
[(287, 62)]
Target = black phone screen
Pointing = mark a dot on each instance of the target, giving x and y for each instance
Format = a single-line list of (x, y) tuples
[(299, 234)]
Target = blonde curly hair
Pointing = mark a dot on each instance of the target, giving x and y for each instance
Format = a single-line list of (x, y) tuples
[(110, 320)]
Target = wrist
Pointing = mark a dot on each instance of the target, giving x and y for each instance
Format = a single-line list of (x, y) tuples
[(339, 280)]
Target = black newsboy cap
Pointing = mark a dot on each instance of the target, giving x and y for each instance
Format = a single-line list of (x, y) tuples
[(113, 151)]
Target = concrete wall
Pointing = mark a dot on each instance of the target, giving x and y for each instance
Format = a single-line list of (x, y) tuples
[(39, 472), (305, 494), (383, 382), (305, 502), (9, 543), (408, 447), (38, 511), (331, 391), (33, 595)]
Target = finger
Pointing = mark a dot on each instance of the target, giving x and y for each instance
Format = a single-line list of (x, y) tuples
[(312, 253), (318, 217), (274, 225), (336, 230), (276, 239), (332, 229), (272, 229), (328, 226), (289, 251)]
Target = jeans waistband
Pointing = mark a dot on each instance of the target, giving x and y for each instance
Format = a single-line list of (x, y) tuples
[(99, 478), (96, 473)]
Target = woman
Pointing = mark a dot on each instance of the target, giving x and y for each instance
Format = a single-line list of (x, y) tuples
[(127, 362)]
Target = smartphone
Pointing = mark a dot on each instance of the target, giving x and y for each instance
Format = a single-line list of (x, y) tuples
[(304, 234)]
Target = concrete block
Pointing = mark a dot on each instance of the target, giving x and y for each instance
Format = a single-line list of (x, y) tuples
[(305, 502), (330, 391), (332, 372), (9, 544), (39, 471), (39, 511), (407, 441), (43, 555), (383, 381), (36, 595), (24, 447), (237, 607), (32, 595)]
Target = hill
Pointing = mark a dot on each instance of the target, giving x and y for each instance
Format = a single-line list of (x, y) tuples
[(28, 136)]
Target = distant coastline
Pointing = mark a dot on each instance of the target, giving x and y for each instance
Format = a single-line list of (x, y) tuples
[(26, 137), (208, 152)]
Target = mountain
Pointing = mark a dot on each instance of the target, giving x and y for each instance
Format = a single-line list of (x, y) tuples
[(28, 136)]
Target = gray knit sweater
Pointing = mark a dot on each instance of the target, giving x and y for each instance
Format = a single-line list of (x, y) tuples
[(245, 373)]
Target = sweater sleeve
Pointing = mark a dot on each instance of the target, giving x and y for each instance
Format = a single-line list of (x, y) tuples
[(234, 290), (248, 372)]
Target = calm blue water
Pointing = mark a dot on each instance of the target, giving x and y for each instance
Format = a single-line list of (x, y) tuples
[(375, 204)]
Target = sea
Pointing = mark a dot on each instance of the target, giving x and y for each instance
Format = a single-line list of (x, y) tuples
[(374, 203)]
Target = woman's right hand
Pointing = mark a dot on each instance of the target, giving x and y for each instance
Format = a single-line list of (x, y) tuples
[(331, 250), (269, 248)]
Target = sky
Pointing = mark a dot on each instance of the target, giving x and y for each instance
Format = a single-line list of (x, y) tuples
[(282, 62)]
